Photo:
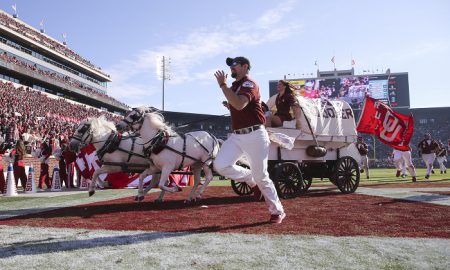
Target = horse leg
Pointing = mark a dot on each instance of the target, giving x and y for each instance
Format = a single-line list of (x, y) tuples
[(160, 197), (142, 176), (197, 178), (208, 178), (101, 170), (164, 179), (149, 171), (153, 184)]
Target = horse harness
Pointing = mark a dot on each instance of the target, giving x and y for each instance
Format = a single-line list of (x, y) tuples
[(159, 143), (112, 144)]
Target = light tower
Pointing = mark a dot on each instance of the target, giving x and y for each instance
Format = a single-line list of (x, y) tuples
[(163, 73)]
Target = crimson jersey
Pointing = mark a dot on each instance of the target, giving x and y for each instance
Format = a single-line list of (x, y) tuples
[(427, 146), (253, 113), (363, 149)]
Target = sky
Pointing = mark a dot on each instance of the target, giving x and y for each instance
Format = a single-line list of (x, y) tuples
[(280, 37)]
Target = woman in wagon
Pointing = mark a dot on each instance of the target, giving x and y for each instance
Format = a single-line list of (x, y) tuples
[(285, 102)]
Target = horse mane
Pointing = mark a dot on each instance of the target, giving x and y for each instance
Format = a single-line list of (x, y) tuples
[(156, 121), (100, 126)]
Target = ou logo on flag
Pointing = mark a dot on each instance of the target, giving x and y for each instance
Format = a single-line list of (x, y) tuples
[(391, 125)]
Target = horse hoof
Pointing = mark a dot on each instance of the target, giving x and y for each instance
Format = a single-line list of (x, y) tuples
[(91, 193), (158, 201), (187, 202), (140, 198)]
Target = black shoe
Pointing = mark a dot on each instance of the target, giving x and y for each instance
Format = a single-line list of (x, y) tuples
[(432, 171), (361, 171), (427, 176), (442, 172), (414, 179), (397, 174)]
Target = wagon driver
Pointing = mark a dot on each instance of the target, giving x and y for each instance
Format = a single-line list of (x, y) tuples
[(249, 136)]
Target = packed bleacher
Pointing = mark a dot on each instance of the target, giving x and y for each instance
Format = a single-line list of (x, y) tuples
[(15, 25), (90, 91), (31, 114)]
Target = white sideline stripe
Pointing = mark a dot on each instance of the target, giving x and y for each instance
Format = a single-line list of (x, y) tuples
[(410, 194), (63, 248)]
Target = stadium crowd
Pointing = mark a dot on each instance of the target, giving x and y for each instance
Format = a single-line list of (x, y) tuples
[(56, 76), (42, 39), (33, 116)]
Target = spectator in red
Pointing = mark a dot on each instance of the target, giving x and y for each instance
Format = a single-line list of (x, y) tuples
[(44, 156), (69, 159), (65, 164), (19, 166), (3, 148)]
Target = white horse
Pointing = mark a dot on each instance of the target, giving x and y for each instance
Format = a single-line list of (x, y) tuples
[(169, 151), (117, 154)]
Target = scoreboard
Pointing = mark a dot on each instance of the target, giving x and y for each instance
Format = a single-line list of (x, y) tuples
[(391, 88)]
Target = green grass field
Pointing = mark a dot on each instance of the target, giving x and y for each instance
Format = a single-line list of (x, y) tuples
[(377, 176)]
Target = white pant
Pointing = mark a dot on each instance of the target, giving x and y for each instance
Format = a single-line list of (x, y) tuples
[(401, 166), (429, 160), (365, 164), (255, 147), (404, 156), (441, 161)]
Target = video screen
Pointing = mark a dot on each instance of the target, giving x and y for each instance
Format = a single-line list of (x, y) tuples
[(392, 89)]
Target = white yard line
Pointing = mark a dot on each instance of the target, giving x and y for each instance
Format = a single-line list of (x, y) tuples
[(54, 248), (410, 194)]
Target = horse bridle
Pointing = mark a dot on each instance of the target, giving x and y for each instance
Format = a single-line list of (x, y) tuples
[(137, 117), (86, 129)]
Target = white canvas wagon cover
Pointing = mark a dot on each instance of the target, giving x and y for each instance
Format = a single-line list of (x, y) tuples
[(327, 117)]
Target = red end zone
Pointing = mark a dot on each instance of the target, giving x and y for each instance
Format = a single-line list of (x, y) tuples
[(321, 212)]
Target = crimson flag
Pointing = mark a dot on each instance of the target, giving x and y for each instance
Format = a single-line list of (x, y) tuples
[(391, 128)]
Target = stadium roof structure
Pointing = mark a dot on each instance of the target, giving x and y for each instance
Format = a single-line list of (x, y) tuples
[(32, 58), (49, 48)]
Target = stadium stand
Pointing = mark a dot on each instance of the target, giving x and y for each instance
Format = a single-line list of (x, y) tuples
[(29, 32), (24, 109)]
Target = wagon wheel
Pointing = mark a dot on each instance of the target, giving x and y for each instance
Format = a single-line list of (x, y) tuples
[(332, 179), (241, 188), (289, 180), (308, 181), (346, 174)]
